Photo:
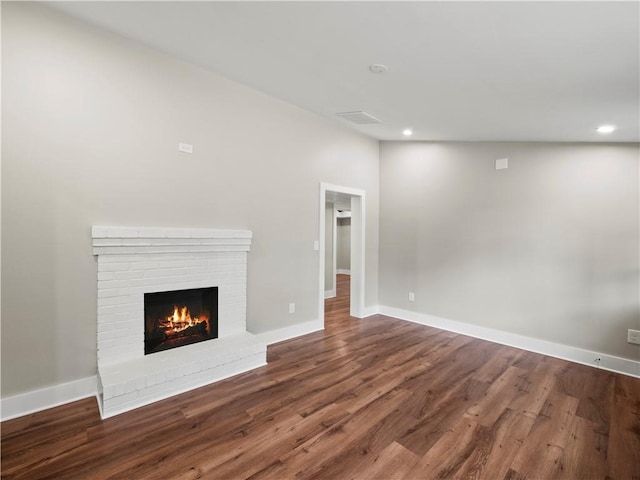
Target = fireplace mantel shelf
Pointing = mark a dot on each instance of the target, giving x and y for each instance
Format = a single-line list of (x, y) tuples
[(161, 232), (141, 240)]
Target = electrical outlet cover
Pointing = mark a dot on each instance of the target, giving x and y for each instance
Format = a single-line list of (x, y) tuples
[(502, 163)]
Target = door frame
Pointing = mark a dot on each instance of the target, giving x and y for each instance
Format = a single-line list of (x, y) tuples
[(358, 220)]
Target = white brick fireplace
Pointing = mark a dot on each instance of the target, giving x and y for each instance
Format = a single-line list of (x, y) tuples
[(133, 261)]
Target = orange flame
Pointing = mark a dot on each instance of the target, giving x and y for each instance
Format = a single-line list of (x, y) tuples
[(181, 319)]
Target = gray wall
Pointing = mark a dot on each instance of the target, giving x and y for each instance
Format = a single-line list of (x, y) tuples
[(91, 123), (343, 244), (547, 248)]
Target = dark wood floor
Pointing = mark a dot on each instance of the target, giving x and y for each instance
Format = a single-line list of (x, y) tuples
[(374, 398)]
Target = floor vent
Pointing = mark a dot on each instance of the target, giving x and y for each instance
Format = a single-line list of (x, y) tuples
[(360, 118)]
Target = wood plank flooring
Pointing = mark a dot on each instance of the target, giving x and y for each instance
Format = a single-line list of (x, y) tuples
[(367, 399)]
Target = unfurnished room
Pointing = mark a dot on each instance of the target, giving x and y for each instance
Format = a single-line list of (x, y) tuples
[(320, 240)]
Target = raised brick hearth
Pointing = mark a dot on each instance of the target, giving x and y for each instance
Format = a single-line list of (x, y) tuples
[(133, 261)]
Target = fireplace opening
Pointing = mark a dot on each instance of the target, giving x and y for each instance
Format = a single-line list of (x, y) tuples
[(179, 317)]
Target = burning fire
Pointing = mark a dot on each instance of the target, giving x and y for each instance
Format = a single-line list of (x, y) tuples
[(182, 319)]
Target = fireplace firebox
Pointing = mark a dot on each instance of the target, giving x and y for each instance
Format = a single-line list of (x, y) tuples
[(179, 317)]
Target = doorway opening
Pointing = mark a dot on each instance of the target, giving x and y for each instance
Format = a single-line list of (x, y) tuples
[(334, 198), (336, 308)]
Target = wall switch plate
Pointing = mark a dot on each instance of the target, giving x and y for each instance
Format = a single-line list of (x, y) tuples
[(292, 308), (316, 245), (412, 297), (633, 336), (185, 148), (502, 163)]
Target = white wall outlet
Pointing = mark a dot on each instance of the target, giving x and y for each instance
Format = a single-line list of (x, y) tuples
[(633, 336), (316, 245), (412, 297), (502, 163), (292, 308), (185, 148)]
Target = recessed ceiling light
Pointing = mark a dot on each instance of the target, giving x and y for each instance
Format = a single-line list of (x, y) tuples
[(378, 68), (407, 132), (605, 129)]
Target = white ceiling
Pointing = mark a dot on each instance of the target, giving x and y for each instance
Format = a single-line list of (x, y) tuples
[(512, 71)]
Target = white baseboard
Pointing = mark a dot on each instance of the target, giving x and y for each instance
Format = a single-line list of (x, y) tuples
[(544, 347), (281, 334), (372, 310), (341, 271), (330, 293), (37, 400)]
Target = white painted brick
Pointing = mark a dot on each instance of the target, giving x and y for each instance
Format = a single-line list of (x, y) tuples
[(150, 249), (112, 283), (163, 272), (166, 287), (124, 400), (141, 241), (136, 328), (203, 248), (110, 356), (196, 278), (144, 265), (140, 383), (108, 392), (110, 259), (121, 325), (122, 232), (139, 282), (140, 290), (124, 308), (179, 249), (112, 267), (109, 301), (127, 275), (130, 386), (154, 391), (129, 258), (112, 334), (99, 232), (166, 264), (117, 250), (108, 322), (104, 276), (115, 356), (124, 341), (106, 327), (118, 390)]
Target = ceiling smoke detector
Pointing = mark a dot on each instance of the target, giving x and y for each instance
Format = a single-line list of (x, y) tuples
[(378, 68), (359, 117)]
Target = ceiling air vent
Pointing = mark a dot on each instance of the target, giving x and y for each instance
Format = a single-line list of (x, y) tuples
[(360, 118)]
